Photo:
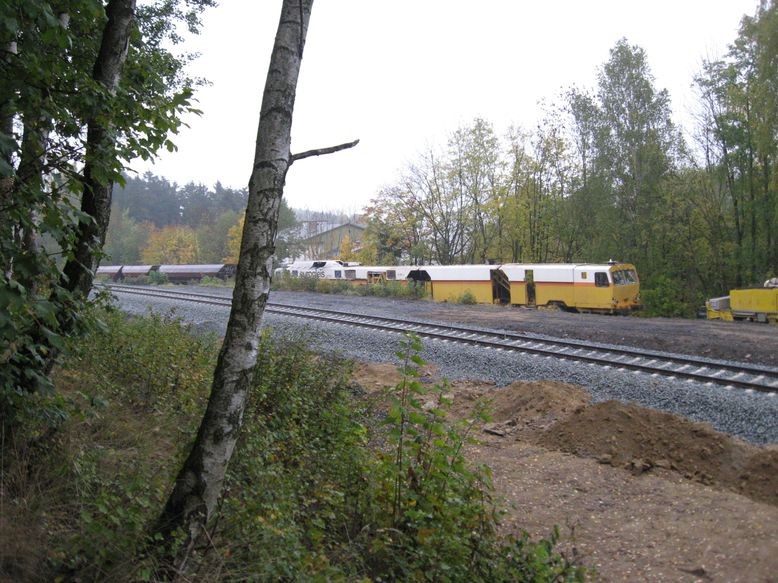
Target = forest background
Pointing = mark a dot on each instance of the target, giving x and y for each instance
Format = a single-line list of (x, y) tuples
[(605, 175)]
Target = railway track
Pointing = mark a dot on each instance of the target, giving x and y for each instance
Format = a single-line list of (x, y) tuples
[(731, 375)]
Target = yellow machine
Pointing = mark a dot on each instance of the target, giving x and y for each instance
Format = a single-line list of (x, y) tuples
[(755, 305), (604, 288)]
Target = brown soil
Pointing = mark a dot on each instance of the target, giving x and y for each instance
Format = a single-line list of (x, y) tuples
[(638, 494)]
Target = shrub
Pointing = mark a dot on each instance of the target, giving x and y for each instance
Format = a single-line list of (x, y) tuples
[(128, 391), (666, 297), (298, 471), (137, 280), (435, 517), (209, 281), (158, 278), (467, 298), (305, 498), (399, 289)]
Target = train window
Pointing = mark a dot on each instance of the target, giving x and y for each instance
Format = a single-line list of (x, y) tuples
[(294, 273), (337, 274), (583, 275), (391, 274), (601, 279), (618, 278), (351, 273), (318, 264), (631, 276)]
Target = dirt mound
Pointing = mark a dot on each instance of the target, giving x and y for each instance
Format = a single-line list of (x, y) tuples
[(521, 407), (559, 416), (640, 439)]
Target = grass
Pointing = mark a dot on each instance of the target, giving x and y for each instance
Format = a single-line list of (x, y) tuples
[(308, 495)]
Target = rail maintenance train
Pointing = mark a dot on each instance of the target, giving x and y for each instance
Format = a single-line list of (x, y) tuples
[(756, 304), (611, 287)]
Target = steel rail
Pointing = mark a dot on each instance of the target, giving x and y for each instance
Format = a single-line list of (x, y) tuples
[(730, 374)]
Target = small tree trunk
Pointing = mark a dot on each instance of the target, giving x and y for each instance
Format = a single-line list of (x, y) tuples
[(96, 198), (199, 483)]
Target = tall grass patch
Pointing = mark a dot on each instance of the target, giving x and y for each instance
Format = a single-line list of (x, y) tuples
[(319, 488)]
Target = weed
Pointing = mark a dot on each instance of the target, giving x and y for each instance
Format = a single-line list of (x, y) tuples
[(396, 289), (208, 281), (158, 278), (306, 496), (467, 298)]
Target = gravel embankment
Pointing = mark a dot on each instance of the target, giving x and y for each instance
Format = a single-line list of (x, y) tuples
[(753, 417)]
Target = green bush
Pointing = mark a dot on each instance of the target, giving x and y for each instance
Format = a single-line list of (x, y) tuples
[(668, 297), (396, 289), (131, 393), (298, 472), (434, 516), (209, 281), (158, 278), (467, 298), (307, 496), (137, 280)]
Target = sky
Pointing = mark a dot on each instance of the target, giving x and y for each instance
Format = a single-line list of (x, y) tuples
[(402, 75)]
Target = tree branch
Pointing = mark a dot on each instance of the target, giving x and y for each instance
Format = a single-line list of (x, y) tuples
[(322, 151)]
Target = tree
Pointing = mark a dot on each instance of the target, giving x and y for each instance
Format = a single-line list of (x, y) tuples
[(212, 237), (234, 236), (100, 158), (87, 86), (125, 237), (198, 486), (637, 147), (739, 137), (171, 245), (346, 250)]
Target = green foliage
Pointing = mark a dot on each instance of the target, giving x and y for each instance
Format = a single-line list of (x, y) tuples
[(125, 238), (435, 517), (307, 495), (393, 289), (158, 278), (92, 479), (298, 473), (467, 298), (156, 355), (666, 297), (48, 98)]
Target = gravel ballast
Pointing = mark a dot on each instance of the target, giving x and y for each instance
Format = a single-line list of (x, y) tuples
[(750, 416)]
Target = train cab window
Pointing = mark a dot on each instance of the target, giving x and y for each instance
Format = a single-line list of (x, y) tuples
[(318, 264), (601, 279), (295, 273), (391, 274), (338, 274), (619, 278), (631, 276)]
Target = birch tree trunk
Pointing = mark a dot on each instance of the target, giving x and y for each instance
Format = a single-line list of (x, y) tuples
[(199, 483)]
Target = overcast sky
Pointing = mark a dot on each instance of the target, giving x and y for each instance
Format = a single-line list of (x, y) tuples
[(401, 75)]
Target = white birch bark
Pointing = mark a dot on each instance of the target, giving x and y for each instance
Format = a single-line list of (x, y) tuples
[(198, 486)]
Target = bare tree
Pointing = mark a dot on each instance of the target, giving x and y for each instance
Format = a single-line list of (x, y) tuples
[(199, 483)]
